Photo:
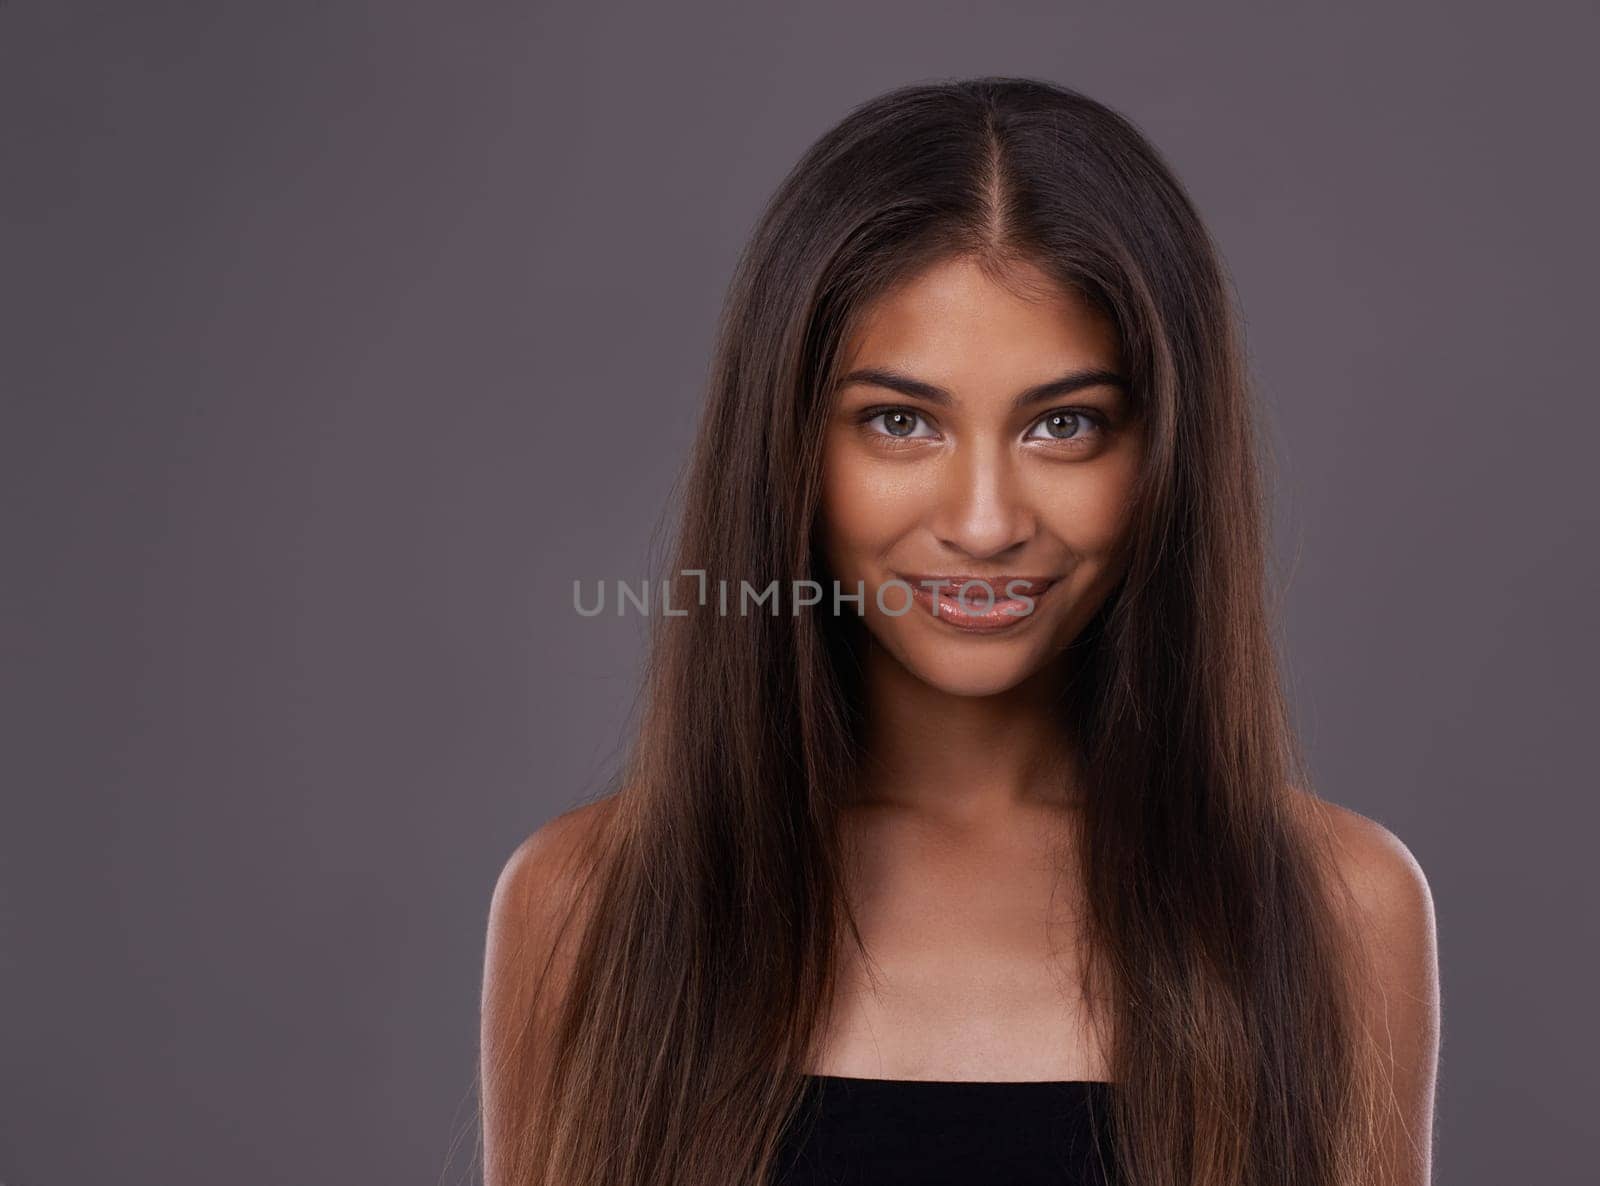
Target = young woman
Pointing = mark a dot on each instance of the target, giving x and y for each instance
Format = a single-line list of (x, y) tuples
[(996, 863)]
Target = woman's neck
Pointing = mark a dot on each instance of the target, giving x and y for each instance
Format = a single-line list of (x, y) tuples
[(964, 759)]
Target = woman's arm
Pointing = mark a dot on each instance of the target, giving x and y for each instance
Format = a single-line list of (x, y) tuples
[(528, 958), (1401, 1003)]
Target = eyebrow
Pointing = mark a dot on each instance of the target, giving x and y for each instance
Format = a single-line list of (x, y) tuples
[(1039, 393)]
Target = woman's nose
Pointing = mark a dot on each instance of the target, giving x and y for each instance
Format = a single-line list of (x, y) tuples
[(982, 511)]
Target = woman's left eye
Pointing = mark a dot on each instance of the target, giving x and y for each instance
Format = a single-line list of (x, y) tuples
[(900, 423), (1064, 425)]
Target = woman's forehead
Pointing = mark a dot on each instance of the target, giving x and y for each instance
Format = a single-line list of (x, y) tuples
[(955, 322)]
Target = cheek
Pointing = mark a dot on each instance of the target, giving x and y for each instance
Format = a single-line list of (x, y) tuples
[(865, 508), (1088, 509)]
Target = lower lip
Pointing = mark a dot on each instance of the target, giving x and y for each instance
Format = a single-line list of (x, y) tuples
[(979, 617)]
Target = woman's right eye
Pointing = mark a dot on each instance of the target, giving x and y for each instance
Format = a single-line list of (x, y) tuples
[(900, 423)]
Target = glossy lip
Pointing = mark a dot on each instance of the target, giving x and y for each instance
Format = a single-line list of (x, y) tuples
[(997, 582), (987, 621)]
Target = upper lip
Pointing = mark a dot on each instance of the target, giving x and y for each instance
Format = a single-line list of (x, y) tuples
[(1001, 584)]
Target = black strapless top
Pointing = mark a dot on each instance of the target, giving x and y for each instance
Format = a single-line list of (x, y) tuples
[(912, 1132)]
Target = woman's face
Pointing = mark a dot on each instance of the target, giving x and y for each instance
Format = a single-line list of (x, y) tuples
[(978, 434)]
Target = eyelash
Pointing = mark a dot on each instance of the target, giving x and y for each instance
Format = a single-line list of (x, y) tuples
[(1095, 419)]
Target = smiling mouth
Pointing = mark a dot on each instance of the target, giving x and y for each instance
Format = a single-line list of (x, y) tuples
[(1001, 586), (982, 604)]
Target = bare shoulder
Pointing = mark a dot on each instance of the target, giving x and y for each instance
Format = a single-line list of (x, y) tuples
[(538, 896), (537, 915), (1392, 916), (1387, 883), (547, 864)]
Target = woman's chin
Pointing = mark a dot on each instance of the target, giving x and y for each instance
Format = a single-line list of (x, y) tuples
[(962, 673)]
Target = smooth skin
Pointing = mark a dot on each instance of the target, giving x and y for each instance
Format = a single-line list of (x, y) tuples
[(962, 828)]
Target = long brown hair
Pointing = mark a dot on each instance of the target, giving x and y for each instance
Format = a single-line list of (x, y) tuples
[(715, 909)]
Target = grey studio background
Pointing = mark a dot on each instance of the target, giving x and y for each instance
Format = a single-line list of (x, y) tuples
[(340, 338)]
